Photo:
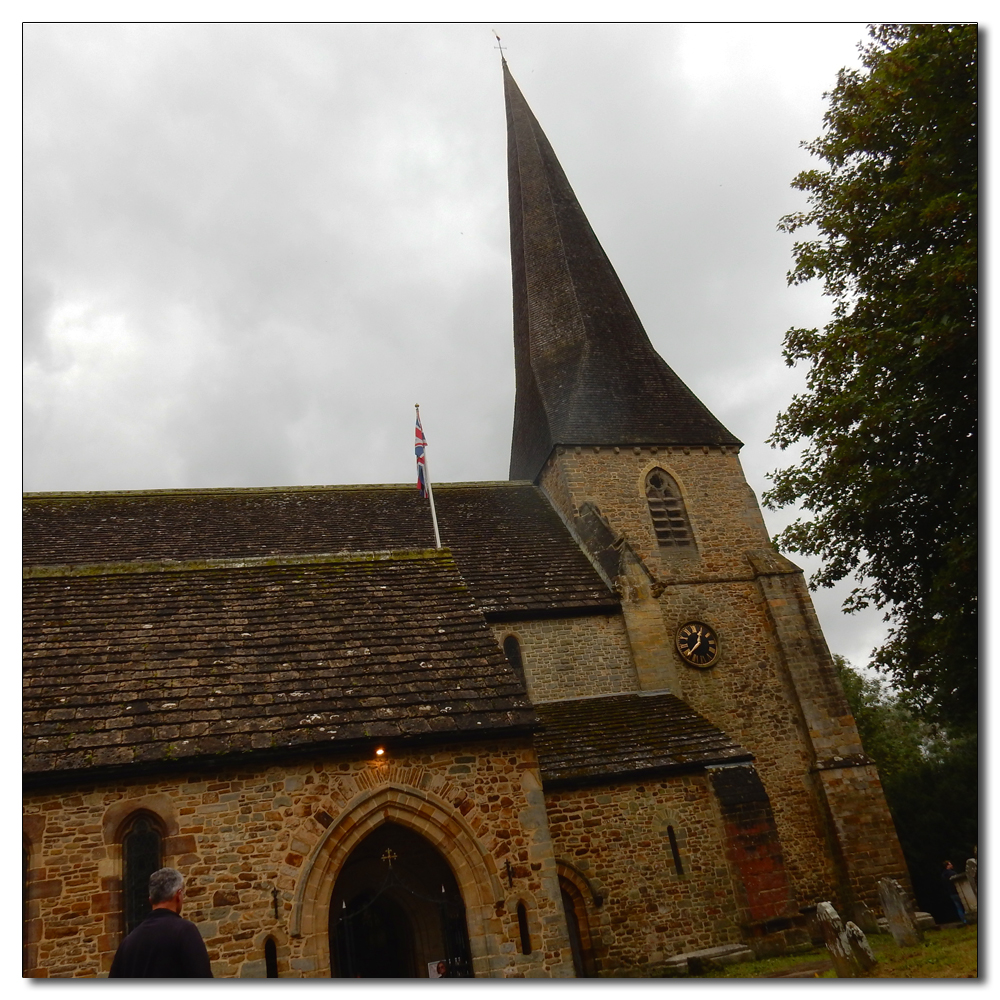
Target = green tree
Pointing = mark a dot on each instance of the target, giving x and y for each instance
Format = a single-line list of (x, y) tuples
[(930, 782), (892, 735), (888, 473)]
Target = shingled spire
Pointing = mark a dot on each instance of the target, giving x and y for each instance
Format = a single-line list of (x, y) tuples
[(586, 371)]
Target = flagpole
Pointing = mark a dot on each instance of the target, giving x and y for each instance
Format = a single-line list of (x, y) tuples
[(430, 490)]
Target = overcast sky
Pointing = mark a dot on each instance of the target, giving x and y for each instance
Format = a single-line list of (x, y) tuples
[(250, 249)]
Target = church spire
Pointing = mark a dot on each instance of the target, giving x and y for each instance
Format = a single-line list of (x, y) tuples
[(586, 371)]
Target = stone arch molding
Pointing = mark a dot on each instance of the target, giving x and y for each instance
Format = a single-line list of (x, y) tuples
[(423, 812), (662, 463), (568, 871)]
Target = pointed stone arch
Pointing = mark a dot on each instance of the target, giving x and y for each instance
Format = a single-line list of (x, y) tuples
[(442, 826), (667, 509), (580, 904)]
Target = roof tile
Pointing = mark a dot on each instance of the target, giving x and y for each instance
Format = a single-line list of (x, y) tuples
[(316, 672), (512, 549), (588, 739)]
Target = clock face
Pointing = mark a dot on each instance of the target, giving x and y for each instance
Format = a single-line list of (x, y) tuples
[(698, 644)]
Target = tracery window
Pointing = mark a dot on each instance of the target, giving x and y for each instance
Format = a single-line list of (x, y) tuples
[(142, 854), (666, 508)]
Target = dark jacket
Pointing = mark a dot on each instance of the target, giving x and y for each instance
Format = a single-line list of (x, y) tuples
[(163, 946)]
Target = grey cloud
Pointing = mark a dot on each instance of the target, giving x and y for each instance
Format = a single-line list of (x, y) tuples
[(249, 249)]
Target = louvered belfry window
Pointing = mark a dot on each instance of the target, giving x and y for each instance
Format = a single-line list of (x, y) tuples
[(142, 852), (666, 508)]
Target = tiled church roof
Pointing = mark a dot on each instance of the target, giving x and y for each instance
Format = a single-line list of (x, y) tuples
[(586, 371), (142, 665), (587, 739), (511, 547)]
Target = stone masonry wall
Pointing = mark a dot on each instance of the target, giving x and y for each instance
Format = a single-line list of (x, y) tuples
[(573, 657), (618, 838), (238, 833), (722, 509), (773, 687), (748, 696), (861, 818)]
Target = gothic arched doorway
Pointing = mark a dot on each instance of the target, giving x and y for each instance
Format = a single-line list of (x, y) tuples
[(396, 909), (579, 929)]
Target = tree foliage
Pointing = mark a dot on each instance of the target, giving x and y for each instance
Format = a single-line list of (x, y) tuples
[(888, 472), (930, 780)]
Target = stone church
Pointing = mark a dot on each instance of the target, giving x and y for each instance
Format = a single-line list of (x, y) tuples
[(600, 728)]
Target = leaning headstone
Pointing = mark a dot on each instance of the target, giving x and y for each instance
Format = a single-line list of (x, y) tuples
[(864, 918), (837, 943), (896, 907), (972, 874), (862, 950), (970, 903)]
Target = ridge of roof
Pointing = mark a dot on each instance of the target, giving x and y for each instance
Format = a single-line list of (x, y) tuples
[(246, 562), (186, 491), (513, 550)]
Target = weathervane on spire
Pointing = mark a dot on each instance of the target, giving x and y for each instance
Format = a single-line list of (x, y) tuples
[(502, 48)]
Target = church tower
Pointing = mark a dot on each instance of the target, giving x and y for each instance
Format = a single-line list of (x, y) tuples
[(650, 483)]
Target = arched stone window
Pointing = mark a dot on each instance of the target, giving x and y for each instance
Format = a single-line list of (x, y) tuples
[(270, 959), (512, 650), (675, 850), (666, 508), (522, 926), (142, 854)]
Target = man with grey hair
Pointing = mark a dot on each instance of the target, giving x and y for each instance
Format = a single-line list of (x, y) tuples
[(164, 945)]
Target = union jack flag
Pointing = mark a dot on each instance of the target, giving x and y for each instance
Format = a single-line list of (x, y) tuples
[(420, 443)]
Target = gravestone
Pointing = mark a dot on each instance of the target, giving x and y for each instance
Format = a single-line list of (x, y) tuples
[(697, 963), (970, 902), (845, 964), (972, 874), (896, 907), (862, 950), (864, 918)]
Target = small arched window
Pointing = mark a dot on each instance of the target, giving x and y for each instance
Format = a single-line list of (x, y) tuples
[(666, 508), (522, 926), (270, 959), (512, 650), (142, 854), (675, 850)]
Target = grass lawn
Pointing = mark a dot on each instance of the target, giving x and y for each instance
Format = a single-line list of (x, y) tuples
[(950, 953)]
